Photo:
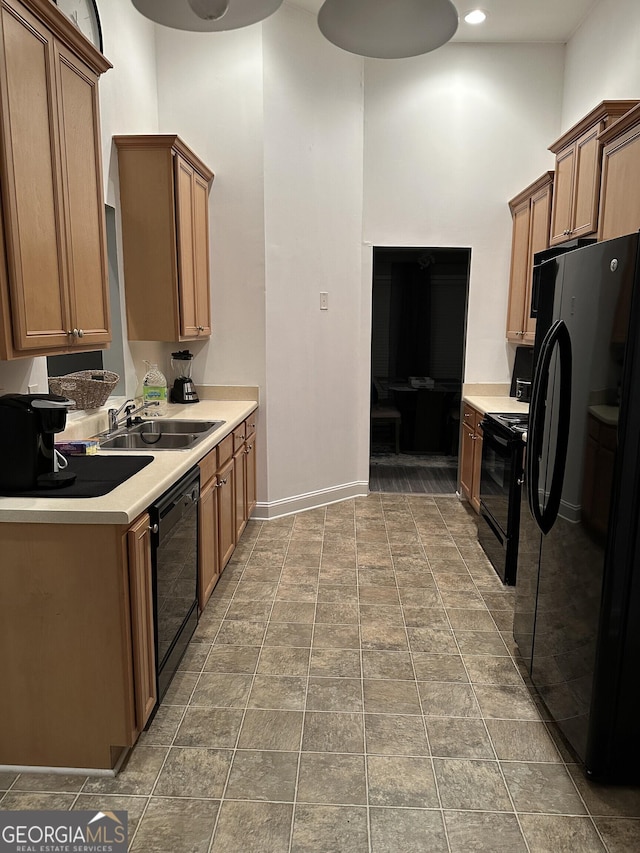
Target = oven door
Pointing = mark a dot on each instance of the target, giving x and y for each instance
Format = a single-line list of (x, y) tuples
[(496, 476)]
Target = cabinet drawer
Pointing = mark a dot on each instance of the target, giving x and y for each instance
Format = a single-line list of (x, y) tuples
[(225, 450), (208, 467), (239, 435), (471, 417), (250, 423)]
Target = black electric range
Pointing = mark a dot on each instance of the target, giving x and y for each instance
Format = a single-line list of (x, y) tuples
[(501, 478)]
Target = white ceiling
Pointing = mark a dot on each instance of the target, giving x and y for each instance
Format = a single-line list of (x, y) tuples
[(511, 20)]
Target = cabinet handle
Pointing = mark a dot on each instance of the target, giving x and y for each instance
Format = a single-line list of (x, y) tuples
[(154, 528), (200, 328), (81, 333)]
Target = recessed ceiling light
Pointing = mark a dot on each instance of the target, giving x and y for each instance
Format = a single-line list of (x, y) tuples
[(477, 16)]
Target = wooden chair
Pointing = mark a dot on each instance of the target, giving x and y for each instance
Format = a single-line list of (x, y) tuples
[(381, 413)]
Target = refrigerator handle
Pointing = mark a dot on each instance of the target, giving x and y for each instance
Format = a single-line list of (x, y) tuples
[(557, 335), (563, 341)]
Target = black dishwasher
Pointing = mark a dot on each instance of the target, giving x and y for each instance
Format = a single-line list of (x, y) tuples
[(174, 550)]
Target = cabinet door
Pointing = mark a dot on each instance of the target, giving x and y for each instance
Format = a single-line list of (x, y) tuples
[(467, 441), (477, 463), (208, 557), (226, 512), (31, 182), (562, 195), (142, 636), (192, 224), (250, 473), (201, 249), (538, 240), (240, 485), (519, 269), (185, 243), (586, 192), (619, 208), (79, 128)]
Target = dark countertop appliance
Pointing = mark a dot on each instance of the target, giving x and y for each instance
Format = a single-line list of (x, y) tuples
[(500, 490), (28, 423), (577, 609), (183, 390)]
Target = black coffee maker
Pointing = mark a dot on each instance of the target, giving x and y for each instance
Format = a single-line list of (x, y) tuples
[(28, 423)]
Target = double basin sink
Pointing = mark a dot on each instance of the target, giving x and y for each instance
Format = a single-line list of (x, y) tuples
[(158, 434)]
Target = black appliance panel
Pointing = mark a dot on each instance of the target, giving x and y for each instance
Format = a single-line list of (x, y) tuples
[(174, 523), (573, 619), (500, 491)]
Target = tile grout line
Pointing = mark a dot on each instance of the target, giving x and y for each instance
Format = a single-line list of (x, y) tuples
[(234, 750), (424, 721), (306, 694)]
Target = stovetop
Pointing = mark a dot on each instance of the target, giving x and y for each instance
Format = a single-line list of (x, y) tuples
[(514, 423)]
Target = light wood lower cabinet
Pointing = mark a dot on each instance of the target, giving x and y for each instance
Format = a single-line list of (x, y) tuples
[(227, 499), (76, 630), (208, 557), (226, 512), (142, 630), (471, 454)]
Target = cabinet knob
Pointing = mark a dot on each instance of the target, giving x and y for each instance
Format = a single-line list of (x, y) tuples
[(154, 528), (473, 437), (200, 328), (81, 333)]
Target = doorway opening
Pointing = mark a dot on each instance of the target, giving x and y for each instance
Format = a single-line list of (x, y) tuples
[(418, 322)]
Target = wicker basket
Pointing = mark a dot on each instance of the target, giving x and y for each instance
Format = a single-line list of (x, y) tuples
[(88, 388)]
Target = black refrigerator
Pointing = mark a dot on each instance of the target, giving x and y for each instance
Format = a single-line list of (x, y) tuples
[(577, 612)]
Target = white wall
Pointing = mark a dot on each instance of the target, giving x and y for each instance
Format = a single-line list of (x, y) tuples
[(313, 146), (210, 93), (602, 59), (450, 137)]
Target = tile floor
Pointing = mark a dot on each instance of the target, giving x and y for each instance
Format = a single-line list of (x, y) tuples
[(352, 687)]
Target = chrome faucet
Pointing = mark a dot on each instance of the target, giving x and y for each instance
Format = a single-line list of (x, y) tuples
[(129, 408)]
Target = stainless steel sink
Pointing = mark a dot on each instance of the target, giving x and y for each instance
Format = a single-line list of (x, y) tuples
[(173, 426), (158, 435)]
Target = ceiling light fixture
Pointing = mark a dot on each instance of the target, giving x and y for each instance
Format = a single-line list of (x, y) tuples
[(210, 10), (476, 16), (206, 16), (385, 30)]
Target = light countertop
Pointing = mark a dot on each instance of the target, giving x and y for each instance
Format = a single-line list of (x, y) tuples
[(125, 503), (496, 403)]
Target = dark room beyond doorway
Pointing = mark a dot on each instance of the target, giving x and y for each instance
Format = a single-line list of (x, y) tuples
[(419, 304)]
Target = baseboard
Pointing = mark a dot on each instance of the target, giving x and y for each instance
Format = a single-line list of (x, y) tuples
[(266, 511)]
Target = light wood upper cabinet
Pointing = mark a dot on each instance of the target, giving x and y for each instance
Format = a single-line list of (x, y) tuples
[(54, 280), (577, 182), (531, 212), (619, 197), (164, 196)]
